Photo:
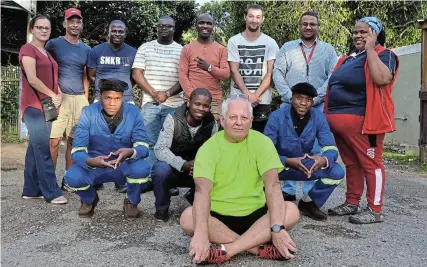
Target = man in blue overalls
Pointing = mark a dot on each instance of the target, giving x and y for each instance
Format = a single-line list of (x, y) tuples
[(293, 130), (109, 146)]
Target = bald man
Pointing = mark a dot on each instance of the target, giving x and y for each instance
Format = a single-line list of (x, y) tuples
[(113, 59), (204, 64)]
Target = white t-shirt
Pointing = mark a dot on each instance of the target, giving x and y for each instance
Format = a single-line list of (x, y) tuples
[(161, 67), (253, 57)]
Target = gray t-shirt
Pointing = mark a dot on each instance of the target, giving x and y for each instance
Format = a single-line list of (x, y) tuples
[(253, 57)]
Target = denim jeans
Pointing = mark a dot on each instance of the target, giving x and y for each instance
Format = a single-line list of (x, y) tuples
[(153, 116), (290, 187), (164, 178), (39, 173)]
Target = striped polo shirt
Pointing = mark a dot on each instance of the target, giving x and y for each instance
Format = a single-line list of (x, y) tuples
[(161, 67)]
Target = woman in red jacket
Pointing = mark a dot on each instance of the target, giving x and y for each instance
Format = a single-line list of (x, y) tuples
[(360, 110)]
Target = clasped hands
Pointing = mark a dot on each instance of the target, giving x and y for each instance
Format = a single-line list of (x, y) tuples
[(103, 162), (296, 163)]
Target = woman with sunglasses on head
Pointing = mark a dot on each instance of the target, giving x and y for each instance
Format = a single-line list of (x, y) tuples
[(360, 111), (39, 73)]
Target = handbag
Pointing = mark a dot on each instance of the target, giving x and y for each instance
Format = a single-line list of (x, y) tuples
[(48, 107)]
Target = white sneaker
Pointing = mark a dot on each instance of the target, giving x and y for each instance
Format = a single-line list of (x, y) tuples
[(59, 200), (36, 197)]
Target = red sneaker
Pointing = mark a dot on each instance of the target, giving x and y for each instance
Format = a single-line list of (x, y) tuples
[(269, 251), (216, 254)]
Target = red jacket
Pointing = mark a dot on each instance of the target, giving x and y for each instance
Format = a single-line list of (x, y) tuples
[(379, 112)]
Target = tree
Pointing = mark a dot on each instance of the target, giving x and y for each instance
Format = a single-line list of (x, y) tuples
[(139, 16)]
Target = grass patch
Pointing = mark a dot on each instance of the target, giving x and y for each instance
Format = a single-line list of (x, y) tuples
[(11, 137), (401, 158)]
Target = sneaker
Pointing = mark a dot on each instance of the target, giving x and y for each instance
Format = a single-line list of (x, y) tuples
[(121, 188), (35, 197), (130, 210), (311, 210), (216, 254), (59, 200), (87, 211), (174, 192), (269, 251), (162, 215), (288, 197), (345, 209), (368, 216), (190, 196), (64, 186)]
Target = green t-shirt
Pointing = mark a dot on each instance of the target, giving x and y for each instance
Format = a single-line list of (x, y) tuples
[(236, 170)]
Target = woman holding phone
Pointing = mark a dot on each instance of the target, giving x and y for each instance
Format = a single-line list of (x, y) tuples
[(39, 74), (360, 111)]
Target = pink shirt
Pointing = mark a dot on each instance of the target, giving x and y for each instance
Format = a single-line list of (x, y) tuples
[(46, 71)]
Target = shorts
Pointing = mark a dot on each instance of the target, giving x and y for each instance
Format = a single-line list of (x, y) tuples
[(240, 224), (216, 107), (69, 115)]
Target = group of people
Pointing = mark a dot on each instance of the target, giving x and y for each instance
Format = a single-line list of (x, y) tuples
[(240, 160)]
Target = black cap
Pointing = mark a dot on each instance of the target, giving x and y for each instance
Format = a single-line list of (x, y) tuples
[(304, 89), (112, 84)]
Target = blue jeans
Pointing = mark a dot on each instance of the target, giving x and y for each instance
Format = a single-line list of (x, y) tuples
[(164, 178), (134, 172), (153, 117), (39, 173), (290, 187), (325, 180)]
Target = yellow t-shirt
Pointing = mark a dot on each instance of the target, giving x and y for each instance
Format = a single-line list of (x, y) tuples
[(236, 170)]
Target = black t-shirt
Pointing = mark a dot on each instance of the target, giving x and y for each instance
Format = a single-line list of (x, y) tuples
[(347, 93), (299, 123), (114, 121)]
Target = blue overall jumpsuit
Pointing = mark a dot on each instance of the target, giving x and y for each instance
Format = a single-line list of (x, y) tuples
[(93, 138), (280, 129)]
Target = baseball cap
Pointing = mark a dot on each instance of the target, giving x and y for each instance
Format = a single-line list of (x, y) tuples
[(73, 12)]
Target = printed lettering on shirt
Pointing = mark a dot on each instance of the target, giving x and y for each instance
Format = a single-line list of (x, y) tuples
[(371, 152), (105, 60), (251, 64)]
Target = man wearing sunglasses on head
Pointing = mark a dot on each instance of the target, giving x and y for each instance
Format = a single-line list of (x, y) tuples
[(231, 209), (155, 71)]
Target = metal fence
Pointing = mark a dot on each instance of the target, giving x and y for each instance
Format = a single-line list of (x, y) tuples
[(9, 98)]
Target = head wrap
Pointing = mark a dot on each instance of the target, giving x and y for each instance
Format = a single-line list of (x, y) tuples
[(374, 23), (111, 84), (304, 89)]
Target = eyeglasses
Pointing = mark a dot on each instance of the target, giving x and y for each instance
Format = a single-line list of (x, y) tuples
[(312, 25), (236, 96), (164, 26), (41, 28)]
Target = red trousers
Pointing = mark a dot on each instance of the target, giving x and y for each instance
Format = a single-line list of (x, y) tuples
[(362, 156)]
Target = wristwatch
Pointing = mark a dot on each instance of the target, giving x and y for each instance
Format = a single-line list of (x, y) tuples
[(168, 93), (210, 68), (277, 228)]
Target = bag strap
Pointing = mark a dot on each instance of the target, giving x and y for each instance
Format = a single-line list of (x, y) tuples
[(25, 75)]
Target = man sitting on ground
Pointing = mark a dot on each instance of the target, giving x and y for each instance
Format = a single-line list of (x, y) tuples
[(109, 146), (293, 130), (181, 137), (230, 172)]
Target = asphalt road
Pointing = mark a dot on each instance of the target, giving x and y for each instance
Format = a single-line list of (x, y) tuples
[(34, 233)]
